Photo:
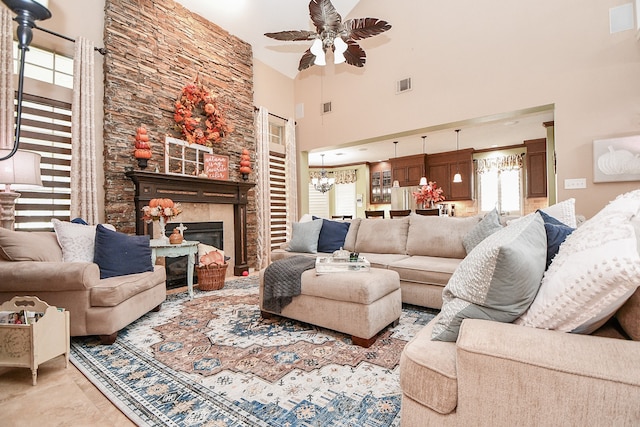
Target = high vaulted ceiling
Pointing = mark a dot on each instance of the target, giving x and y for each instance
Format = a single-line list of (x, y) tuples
[(250, 19)]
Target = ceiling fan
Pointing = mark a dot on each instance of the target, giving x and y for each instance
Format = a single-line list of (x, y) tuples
[(332, 33)]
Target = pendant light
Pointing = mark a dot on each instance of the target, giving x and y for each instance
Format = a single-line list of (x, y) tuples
[(457, 177), (423, 180)]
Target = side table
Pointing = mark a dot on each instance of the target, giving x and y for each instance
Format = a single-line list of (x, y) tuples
[(163, 248)]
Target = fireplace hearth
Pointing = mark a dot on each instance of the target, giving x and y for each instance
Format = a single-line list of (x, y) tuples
[(209, 233)]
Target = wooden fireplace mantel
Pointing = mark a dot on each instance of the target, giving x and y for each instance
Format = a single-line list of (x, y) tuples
[(188, 189)]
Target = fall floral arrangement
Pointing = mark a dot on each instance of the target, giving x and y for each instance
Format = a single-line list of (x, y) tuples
[(160, 208), (428, 193), (198, 116)]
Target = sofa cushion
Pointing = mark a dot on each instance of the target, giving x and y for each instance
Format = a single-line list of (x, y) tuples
[(76, 240), (118, 254), (596, 270), (425, 269), (304, 236), (388, 236), (497, 280), (557, 233), (112, 291), (428, 372), (29, 246), (332, 235), (629, 316), (564, 212), (350, 238), (438, 236), (359, 288), (382, 260), (488, 225)]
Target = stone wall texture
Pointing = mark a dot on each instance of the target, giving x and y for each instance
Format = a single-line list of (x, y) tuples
[(155, 48)]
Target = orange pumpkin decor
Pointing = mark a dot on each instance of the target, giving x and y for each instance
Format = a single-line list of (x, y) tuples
[(245, 164), (143, 148)]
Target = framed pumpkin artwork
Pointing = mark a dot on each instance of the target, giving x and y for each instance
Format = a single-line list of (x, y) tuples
[(616, 159)]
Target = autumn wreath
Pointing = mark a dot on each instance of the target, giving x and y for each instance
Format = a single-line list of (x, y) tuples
[(198, 116)]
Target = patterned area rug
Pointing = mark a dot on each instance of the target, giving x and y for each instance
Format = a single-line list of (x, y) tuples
[(213, 361)]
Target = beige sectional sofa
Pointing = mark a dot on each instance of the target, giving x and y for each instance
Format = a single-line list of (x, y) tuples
[(424, 250), (31, 264)]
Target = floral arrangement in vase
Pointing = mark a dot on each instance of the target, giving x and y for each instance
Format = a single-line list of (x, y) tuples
[(161, 210), (428, 194)]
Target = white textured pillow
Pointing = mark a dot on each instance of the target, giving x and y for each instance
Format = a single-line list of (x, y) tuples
[(595, 271), (564, 211), (76, 240)]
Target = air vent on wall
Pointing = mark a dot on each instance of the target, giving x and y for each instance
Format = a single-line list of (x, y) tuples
[(326, 107), (403, 85)]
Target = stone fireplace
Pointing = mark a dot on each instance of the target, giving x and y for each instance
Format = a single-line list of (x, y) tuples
[(203, 200)]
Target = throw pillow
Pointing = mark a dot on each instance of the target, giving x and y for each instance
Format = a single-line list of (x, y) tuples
[(557, 233), (488, 225), (29, 246), (382, 236), (332, 235), (76, 240), (305, 236), (118, 254), (352, 234), (595, 271), (564, 211), (497, 280), (438, 236)]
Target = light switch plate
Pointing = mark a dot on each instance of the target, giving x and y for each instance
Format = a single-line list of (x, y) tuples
[(575, 183)]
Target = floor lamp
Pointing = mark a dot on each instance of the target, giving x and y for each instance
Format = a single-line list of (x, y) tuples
[(22, 168)]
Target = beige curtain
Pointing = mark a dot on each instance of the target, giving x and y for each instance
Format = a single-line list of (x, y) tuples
[(291, 175), (7, 111), (503, 163), (84, 194), (263, 195)]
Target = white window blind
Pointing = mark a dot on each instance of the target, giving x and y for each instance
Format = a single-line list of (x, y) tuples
[(345, 199), (278, 214), (46, 129), (501, 189), (318, 203)]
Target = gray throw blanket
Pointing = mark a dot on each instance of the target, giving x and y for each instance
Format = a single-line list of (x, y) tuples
[(282, 281)]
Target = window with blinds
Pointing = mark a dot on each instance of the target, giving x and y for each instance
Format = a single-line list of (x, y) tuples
[(45, 129), (278, 217), (345, 199), (318, 203)]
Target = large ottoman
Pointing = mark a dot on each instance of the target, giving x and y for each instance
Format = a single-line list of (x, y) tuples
[(360, 304)]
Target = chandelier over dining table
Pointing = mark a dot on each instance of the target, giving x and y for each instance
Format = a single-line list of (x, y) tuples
[(324, 183)]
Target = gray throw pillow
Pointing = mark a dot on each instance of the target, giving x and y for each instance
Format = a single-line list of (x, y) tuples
[(498, 280), (305, 236), (486, 227)]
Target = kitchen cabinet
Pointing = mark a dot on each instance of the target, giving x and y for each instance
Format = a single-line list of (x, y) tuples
[(441, 167), (409, 169), (380, 182), (536, 167)]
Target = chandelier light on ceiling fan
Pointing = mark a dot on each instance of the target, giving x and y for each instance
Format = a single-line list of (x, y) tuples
[(332, 33), (324, 183)]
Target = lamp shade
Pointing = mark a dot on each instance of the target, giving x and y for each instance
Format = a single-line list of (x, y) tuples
[(22, 168), (457, 178), (423, 181)]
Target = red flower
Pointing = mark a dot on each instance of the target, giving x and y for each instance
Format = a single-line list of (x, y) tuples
[(428, 193)]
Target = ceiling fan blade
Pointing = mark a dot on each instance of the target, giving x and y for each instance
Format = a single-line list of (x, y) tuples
[(307, 60), (292, 35), (361, 28), (354, 55), (324, 15)]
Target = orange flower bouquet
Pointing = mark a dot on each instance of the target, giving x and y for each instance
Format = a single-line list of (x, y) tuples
[(428, 194)]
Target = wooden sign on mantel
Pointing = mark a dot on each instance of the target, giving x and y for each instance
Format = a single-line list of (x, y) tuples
[(216, 167)]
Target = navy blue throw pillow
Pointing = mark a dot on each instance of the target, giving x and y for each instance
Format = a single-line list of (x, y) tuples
[(79, 221), (332, 235), (557, 232), (118, 254)]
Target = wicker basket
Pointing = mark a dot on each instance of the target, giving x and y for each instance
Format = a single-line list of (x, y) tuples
[(211, 277)]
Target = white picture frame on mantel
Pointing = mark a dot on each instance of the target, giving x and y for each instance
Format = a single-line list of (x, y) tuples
[(182, 158)]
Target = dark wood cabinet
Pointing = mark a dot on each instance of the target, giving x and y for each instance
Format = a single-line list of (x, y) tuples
[(442, 167), (536, 167), (380, 182), (409, 169)]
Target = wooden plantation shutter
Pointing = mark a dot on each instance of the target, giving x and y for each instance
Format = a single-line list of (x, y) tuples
[(278, 217)]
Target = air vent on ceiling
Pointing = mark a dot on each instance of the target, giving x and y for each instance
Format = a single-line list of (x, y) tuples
[(403, 85), (326, 107)]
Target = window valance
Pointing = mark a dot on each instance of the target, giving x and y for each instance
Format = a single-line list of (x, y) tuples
[(343, 176), (502, 163)]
